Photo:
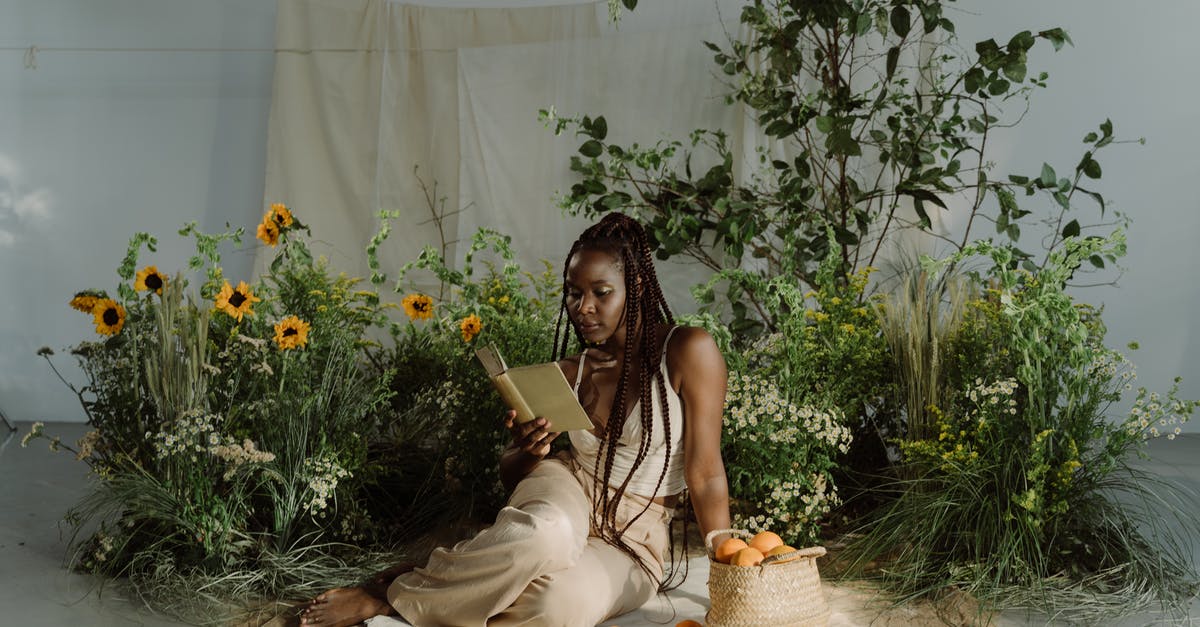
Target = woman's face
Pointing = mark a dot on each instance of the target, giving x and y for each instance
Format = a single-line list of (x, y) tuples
[(596, 296)]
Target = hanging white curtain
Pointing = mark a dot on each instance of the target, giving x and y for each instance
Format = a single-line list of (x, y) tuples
[(367, 90)]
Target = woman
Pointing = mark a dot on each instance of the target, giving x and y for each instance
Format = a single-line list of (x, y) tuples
[(583, 535)]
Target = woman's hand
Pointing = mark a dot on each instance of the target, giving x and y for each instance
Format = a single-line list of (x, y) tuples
[(531, 443), (533, 437)]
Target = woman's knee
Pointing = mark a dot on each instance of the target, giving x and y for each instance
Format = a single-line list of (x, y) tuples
[(552, 536)]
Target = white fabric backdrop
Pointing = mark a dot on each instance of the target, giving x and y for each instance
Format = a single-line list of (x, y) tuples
[(455, 92)]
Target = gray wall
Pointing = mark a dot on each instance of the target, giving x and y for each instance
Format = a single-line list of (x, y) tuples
[(95, 145)]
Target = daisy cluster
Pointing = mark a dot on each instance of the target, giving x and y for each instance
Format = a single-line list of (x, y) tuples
[(796, 443), (192, 433), (323, 475), (1154, 415), (756, 409)]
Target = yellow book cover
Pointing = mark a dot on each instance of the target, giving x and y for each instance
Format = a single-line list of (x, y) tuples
[(538, 390)]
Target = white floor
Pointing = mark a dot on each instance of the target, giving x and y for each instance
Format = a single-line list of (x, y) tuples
[(38, 486)]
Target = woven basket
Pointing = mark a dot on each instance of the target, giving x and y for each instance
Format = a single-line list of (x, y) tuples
[(784, 590)]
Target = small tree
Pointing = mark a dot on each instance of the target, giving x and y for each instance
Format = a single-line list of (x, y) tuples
[(876, 119)]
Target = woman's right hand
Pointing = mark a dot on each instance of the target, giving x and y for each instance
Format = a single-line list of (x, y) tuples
[(533, 437)]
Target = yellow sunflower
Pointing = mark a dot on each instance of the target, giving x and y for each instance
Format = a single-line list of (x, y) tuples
[(150, 279), (86, 300), (109, 316), (280, 215), (291, 332), (418, 306), (236, 301), (470, 327), (268, 231)]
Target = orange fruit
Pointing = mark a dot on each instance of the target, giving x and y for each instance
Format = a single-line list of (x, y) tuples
[(748, 556), (780, 550), (765, 541), (727, 549), (688, 623)]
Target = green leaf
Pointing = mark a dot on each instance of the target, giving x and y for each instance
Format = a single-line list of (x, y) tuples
[(824, 123), (599, 128), (1097, 261), (893, 57), (989, 53), (1021, 41), (973, 79), (1106, 128), (844, 236), (1008, 202), (1090, 138), (1057, 37), (1095, 196), (1062, 200), (998, 86), (591, 148), (1048, 179), (901, 20), (840, 142), (630, 4), (1015, 71), (925, 222), (1071, 229), (1018, 179), (862, 24), (976, 126), (1091, 168)]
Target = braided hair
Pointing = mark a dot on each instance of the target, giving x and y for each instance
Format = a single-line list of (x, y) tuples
[(646, 315)]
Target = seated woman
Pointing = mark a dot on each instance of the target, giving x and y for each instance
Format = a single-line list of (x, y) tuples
[(584, 533)]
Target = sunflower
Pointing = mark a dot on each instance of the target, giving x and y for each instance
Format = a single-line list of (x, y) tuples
[(291, 332), (86, 300), (236, 302), (268, 231), (470, 327), (418, 306), (149, 278), (109, 316), (280, 215)]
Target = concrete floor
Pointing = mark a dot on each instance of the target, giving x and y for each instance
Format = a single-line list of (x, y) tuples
[(38, 486)]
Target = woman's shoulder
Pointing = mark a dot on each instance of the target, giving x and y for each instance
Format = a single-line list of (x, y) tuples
[(692, 348)]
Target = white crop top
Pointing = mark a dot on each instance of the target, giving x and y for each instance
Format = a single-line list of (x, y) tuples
[(585, 446)]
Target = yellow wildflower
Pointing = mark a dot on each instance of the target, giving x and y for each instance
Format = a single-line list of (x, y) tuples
[(236, 302), (150, 279), (418, 306), (291, 332), (470, 327)]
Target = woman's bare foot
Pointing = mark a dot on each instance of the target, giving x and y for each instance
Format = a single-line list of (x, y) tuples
[(342, 607)]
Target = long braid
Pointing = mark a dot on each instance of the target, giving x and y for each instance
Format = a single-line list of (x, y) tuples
[(646, 313)]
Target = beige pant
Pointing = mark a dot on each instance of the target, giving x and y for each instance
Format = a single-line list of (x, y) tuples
[(538, 564)]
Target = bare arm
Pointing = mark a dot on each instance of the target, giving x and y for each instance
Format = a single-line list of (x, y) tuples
[(703, 379)]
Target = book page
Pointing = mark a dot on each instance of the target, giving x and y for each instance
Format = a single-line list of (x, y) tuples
[(548, 395)]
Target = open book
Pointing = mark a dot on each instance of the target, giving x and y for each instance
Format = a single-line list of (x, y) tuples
[(539, 390)]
